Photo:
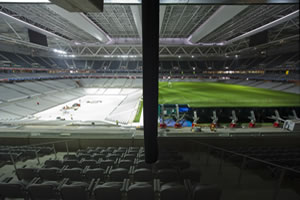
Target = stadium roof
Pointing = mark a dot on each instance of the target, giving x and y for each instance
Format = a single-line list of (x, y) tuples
[(186, 29)]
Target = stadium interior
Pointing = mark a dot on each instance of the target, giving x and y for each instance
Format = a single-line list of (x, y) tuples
[(149, 100)]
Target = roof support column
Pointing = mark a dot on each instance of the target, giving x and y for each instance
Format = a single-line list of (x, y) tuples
[(150, 19)]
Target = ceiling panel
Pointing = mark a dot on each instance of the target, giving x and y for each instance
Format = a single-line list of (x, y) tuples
[(116, 21)]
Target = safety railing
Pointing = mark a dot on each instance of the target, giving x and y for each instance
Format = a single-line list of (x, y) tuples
[(37, 153), (246, 158)]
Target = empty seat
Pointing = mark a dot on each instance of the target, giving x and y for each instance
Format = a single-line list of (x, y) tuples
[(191, 174), (53, 163), (112, 148), (90, 163), (129, 156), (106, 151), (26, 174), (81, 151), (211, 192), (125, 164), (108, 191), (134, 148), (119, 151), (167, 175), (98, 156), (168, 155), (72, 163), (91, 151), (99, 148), (106, 163), (45, 150), (173, 191), (181, 164), (140, 191), (162, 164), (143, 164), (74, 174), (112, 156), (96, 173), (12, 189), (44, 191), (51, 174), (133, 151), (118, 174), (75, 191), (70, 157), (142, 175), (84, 156), (141, 156), (29, 154)]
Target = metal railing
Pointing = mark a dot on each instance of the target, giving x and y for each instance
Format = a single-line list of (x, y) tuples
[(36, 151), (244, 157)]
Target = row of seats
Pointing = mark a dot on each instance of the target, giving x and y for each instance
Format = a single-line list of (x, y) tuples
[(108, 174), (117, 158), (7, 153), (110, 177), (285, 156), (116, 190), (282, 156)]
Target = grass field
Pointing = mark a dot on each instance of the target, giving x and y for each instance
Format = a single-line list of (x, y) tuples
[(201, 94), (139, 112)]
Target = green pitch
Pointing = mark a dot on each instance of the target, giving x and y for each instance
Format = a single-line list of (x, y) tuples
[(201, 94)]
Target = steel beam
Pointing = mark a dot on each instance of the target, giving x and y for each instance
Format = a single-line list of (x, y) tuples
[(162, 10), (221, 16), (137, 16), (134, 2), (81, 21), (265, 27), (32, 27)]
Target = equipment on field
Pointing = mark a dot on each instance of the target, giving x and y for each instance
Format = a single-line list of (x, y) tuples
[(213, 127), (177, 123), (252, 119), (75, 106), (162, 116), (294, 116), (195, 118), (196, 127), (214, 123), (277, 119), (234, 119), (292, 125), (178, 118)]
